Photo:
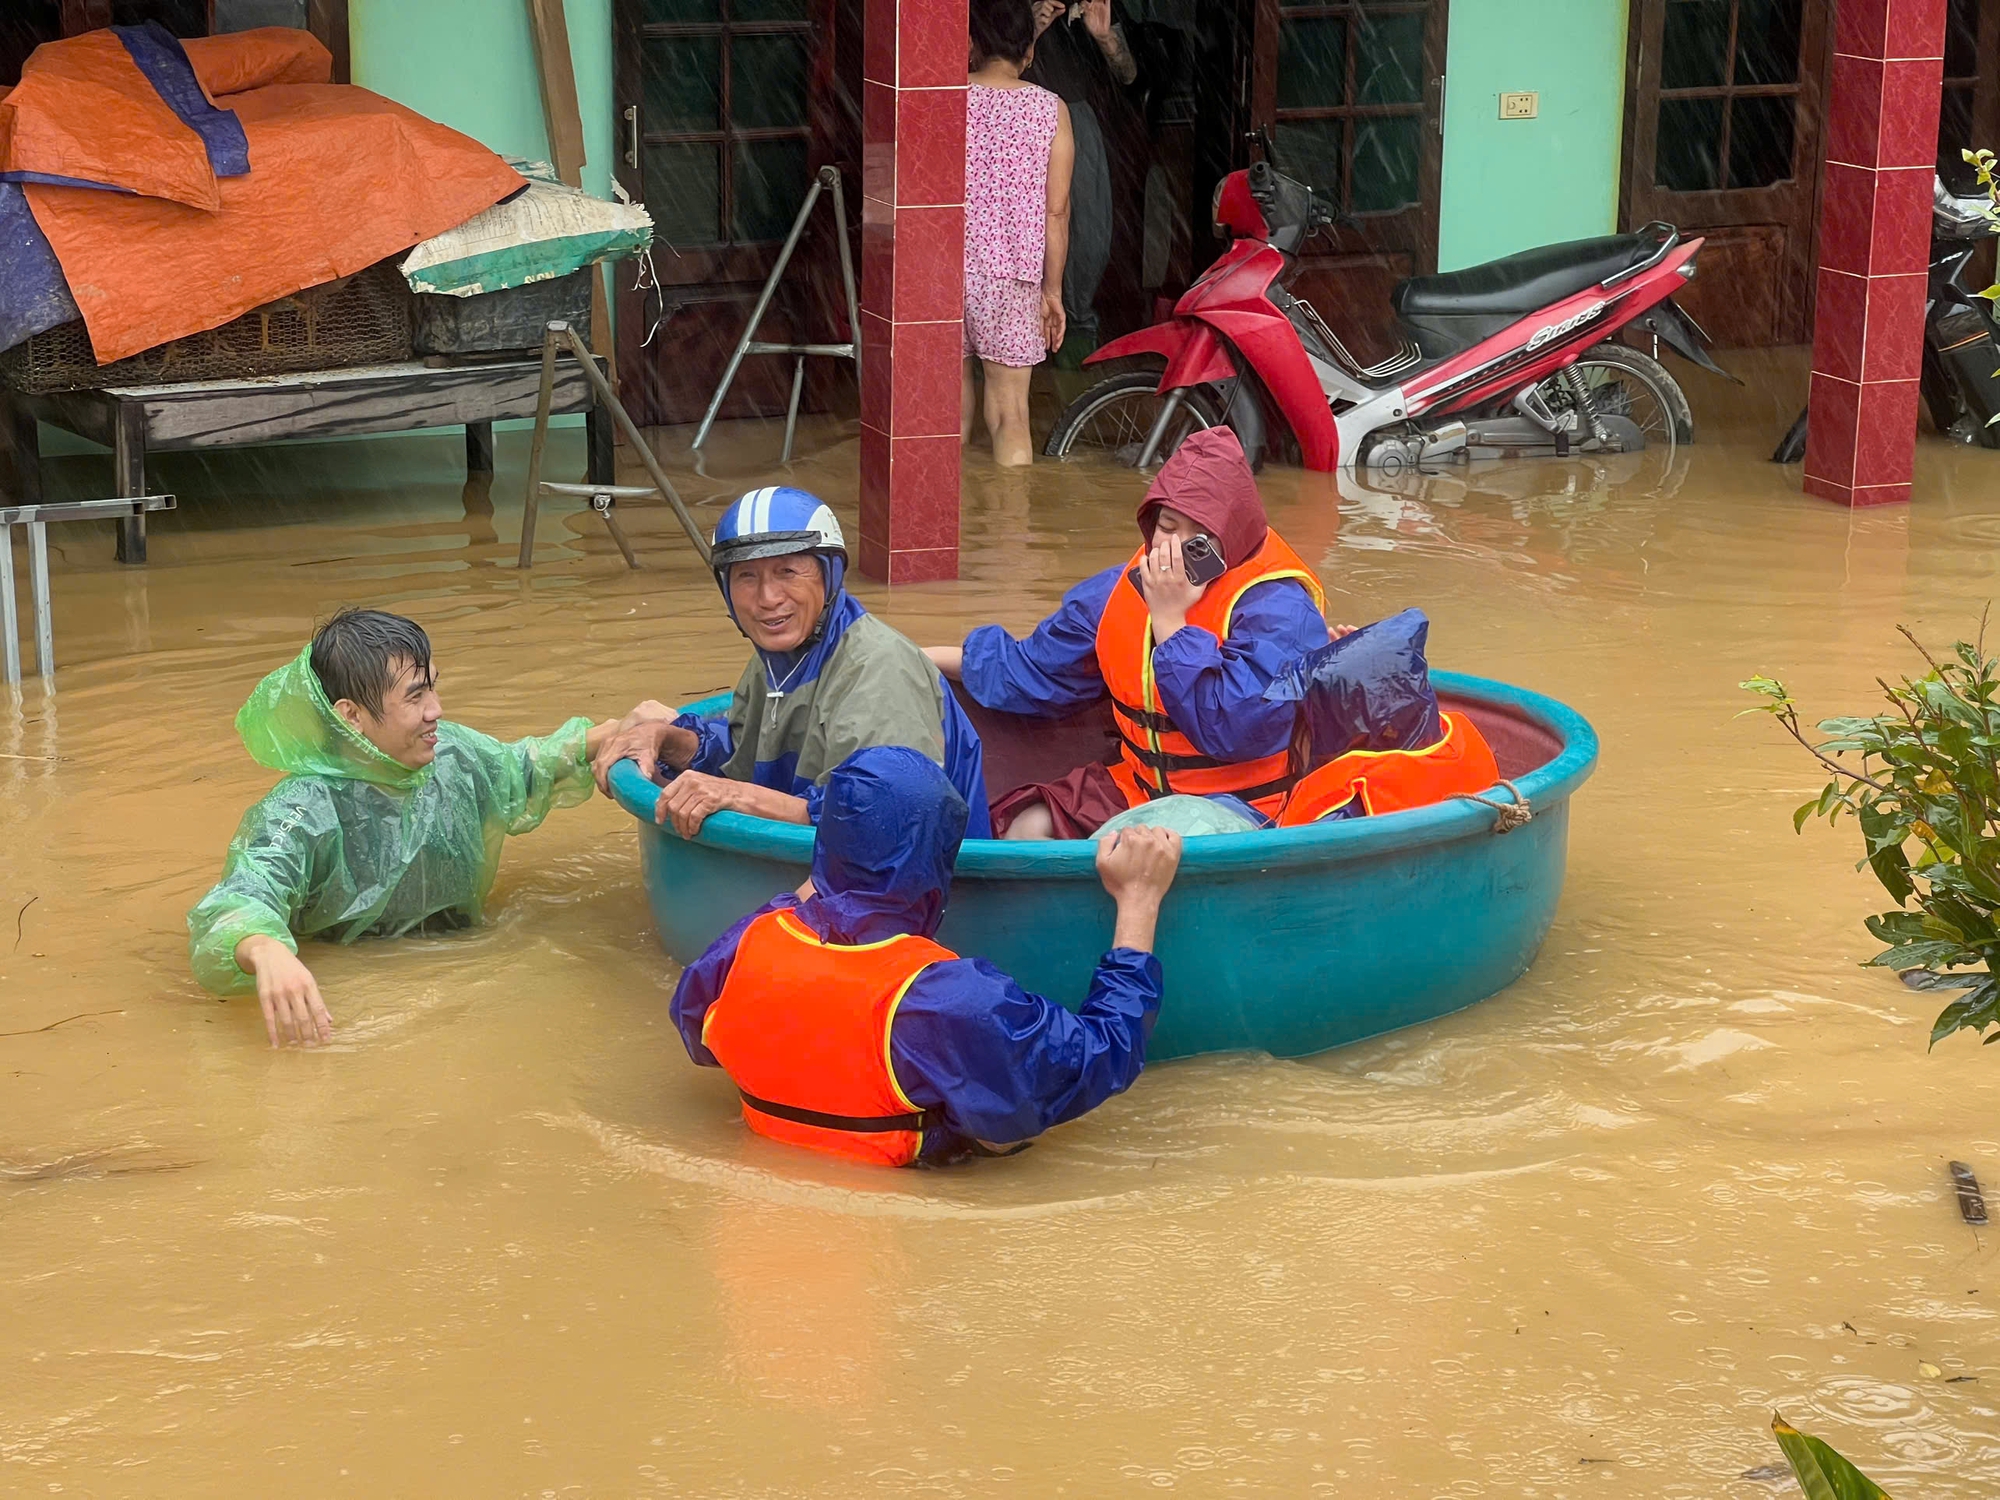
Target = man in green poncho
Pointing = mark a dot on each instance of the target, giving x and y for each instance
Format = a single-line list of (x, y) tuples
[(388, 819)]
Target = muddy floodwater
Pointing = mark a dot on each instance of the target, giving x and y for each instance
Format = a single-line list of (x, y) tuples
[(502, 1238)]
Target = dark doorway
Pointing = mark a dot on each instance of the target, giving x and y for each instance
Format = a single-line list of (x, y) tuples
[(1723, 122), (1969, 117)]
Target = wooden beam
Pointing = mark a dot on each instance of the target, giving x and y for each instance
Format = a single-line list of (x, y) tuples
[(550, 29), (558, 77)]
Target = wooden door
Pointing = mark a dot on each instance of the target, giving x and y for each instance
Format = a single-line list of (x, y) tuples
[(1723, 121), (1346, 97), (722, 109)]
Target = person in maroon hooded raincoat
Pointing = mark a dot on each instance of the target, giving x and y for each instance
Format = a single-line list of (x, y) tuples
[(1184, 664)]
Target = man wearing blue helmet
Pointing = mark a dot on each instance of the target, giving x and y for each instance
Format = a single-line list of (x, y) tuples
[(827, 679)]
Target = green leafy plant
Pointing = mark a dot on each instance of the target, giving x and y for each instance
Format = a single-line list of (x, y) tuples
[(1988, 172), (1926, 797), (1822, 1473), (1982, 163)]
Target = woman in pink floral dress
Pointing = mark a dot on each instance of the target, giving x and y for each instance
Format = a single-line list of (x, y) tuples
[(1018, 154)]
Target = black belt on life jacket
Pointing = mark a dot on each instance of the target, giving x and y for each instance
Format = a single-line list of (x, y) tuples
[(1161, 761), (858, 1124), (1145, 718), (1246, 794), (1164, 760)]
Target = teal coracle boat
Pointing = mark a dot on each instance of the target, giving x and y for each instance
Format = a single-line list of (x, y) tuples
[(1287, 941)]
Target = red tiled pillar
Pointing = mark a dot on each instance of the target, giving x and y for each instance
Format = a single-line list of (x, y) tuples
[(912, 285), (1874, 246)]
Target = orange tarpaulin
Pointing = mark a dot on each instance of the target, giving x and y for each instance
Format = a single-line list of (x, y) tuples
[(83, 109), (242, 60), (339, 179)]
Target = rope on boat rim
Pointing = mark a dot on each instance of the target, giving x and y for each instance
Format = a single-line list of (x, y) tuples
[(1506, 816)]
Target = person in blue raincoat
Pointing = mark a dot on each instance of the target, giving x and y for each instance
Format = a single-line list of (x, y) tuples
[(825, 679), (849, 1030), (1185, 664)]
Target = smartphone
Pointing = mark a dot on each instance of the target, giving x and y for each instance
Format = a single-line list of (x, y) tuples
[(1200, 557)]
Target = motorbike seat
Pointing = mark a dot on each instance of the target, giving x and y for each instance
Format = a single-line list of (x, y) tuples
[(1519, 284)]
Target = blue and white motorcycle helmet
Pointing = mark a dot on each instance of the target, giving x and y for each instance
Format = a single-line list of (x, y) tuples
[(778, 521)]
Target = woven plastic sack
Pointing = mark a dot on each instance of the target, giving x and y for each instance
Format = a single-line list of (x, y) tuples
[(550, 229), (1190, 817)]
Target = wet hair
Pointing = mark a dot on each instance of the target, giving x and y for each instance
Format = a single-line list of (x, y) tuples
[(354, 655), (1001, 28)]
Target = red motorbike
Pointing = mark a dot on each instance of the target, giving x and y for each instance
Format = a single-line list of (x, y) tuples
[(1517, 358)]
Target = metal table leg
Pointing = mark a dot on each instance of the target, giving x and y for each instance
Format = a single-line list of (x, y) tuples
[(38, 584), (7, 623)]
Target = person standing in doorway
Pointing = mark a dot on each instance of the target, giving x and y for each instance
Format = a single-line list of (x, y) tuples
[(1018, 152), (1084, 55)]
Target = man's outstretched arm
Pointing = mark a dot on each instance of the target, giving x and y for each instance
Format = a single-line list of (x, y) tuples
[(1004, 1065)]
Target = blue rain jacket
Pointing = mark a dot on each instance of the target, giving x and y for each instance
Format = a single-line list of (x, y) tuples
[(1213, 690), (796, 715), (1370, 690), (998, 1063)]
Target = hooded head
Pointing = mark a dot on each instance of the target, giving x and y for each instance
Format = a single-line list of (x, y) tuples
[(1208, 480), (289, 724), (889, 830)]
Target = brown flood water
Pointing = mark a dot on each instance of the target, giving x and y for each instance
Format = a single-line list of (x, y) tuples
[(502, 1238)]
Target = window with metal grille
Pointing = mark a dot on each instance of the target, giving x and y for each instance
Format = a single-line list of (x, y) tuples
[(1350, 112), (1729, 85), (723, 124)]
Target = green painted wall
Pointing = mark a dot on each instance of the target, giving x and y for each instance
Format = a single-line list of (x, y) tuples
[(1512, 184), (471, 65)]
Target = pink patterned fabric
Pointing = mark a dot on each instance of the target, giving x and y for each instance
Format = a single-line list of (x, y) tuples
[(1003, 320), (1008, 133)]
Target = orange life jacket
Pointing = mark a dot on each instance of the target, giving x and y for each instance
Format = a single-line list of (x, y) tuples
[(1390, 780), (1155, 758), (802, 1027)]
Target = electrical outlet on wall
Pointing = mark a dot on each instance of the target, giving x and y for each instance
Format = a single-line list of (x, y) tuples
[(1523, 106)]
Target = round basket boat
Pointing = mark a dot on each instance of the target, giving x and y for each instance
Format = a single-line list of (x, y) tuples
[(1287, 941)]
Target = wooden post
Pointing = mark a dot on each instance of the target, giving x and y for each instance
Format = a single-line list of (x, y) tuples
[(20, 453), (531, 508), (565, 124), (479, 447), (128, 457)]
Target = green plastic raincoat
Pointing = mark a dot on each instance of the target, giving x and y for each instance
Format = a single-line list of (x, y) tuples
[(354, 844)]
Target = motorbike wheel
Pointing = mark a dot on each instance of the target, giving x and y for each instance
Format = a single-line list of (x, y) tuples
[(1112, 418), (1626, 383)]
